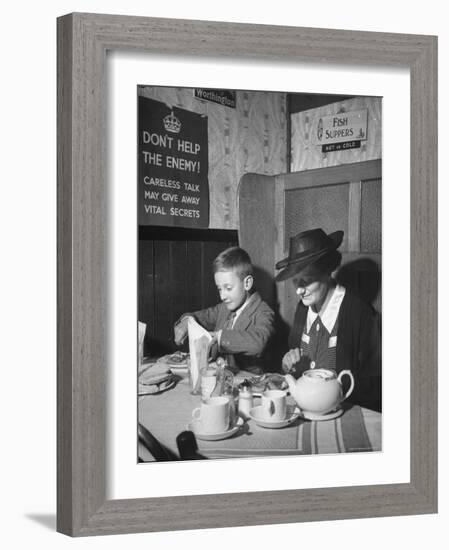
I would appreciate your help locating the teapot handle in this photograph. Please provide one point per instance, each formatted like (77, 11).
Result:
(349, 373)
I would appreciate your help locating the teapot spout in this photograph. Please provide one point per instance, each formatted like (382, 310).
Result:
(291, 384)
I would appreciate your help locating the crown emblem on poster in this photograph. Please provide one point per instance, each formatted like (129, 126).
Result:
(172, 123)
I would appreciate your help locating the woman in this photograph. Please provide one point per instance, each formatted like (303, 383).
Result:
(332, 328)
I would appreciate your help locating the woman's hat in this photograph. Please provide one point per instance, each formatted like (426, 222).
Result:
(306, 248)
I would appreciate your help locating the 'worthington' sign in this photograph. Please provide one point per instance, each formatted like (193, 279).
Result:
(223, 97)
(340, 127)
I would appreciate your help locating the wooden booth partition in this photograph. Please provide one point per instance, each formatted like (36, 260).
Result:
(258, 230)
(175, 276)
(347, 197)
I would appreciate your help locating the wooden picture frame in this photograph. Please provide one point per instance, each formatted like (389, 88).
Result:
(83, 40)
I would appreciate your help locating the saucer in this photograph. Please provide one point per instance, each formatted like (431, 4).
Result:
(195, 427)
(256, 414)
(153, 389)
(320, 417)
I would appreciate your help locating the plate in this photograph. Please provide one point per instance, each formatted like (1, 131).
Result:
(259, 383)
(195, 427)
(321, 417)
(154, 389)
(256, 414)
(175, 360)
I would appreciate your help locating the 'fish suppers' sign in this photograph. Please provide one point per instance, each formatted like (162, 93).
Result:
(341, 127)
(173, 182)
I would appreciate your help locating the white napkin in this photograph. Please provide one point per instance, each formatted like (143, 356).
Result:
(199, 341)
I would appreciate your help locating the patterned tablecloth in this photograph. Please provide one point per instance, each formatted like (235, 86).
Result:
(168, 413)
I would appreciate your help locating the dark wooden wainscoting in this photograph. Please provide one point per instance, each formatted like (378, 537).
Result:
(175, 276)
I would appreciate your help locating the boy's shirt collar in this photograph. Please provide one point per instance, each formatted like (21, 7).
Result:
(238, 311)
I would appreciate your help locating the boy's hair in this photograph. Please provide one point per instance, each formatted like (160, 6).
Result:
(234, 259)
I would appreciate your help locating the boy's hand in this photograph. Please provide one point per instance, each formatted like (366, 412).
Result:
(290, 359)
(213, 347)
(180, 331)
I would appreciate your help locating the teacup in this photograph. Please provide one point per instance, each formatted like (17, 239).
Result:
(213, 415)
(274, 405)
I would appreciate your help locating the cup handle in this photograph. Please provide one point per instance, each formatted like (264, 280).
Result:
(232, 414)
(348, 373)
(196, 413)
(269, 406)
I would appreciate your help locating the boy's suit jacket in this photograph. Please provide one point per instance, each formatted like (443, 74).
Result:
(244, 344)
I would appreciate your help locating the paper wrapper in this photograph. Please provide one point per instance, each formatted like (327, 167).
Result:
(199, 343)
(142, 331)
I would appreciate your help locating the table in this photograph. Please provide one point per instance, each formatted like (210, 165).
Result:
(167, 414)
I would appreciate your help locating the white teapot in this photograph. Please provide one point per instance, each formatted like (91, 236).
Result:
(319, 391)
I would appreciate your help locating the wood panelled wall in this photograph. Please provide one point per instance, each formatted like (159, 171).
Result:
(307, 156)
(250, 138)
(346, 197)
(175, 277)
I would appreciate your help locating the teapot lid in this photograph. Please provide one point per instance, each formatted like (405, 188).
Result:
(321, 374)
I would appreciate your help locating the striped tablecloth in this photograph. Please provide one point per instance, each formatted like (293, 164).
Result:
(167, 414)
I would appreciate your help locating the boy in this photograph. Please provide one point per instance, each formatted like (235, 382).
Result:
(242, 323)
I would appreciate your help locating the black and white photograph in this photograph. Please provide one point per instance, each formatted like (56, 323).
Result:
(259, 273)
